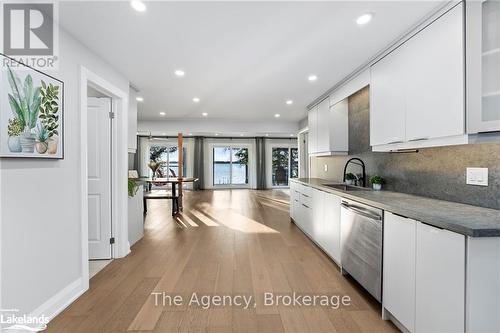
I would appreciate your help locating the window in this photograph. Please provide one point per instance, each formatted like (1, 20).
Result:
(169, 160)
(230, 166)
(285, 164)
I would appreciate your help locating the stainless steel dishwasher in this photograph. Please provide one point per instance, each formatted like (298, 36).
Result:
(361, 242)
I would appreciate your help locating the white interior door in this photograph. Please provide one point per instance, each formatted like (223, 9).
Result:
(99, 177)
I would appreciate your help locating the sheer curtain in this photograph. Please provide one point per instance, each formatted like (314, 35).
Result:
(260, 163)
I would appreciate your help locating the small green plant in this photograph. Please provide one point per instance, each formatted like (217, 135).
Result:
(377, 180)
(42, 134)
(350, 176)
(49, 108)
(14, 128)
(24, 100)
(132, 187)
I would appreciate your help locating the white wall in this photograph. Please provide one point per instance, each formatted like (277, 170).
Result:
(40, 200)
(132, 121)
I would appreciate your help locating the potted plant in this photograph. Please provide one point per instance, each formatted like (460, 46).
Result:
(132, 187)
(14, 129)
(41, 140)
(24, 101)
(377, 182)
(350, 178)
(48, 114)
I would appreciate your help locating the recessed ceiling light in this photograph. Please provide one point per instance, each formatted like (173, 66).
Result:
(292, 134)
(204, 114)
(179, 72)
(267, 134)
(216, 134)
(289, 102)
(196, 99)
(190, 134)
(277, 115)
(138, 5)
(162, 113)
(312, 77)
(242, 134)
(139, 99)
(163, 133)
(364, 19)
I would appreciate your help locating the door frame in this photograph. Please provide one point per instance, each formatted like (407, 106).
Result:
(119, 166)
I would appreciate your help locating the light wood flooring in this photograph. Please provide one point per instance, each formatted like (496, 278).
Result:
(227, 242)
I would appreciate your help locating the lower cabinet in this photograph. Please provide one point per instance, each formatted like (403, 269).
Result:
(317, 213)
(440, 277)
(329, 238)
(424, 276)
(399, 268)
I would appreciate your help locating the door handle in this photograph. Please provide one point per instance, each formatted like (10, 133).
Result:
(395, 140)
(419, 138)
(305, 206)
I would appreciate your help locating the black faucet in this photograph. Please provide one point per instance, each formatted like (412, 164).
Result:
(359, 162)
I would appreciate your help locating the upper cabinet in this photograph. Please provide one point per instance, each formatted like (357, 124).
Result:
(417, 90)
(483, 66)
(328, 128)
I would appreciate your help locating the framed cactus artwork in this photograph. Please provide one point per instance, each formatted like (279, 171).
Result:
(31, 113)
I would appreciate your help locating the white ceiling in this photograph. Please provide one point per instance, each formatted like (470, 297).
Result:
(242, 59)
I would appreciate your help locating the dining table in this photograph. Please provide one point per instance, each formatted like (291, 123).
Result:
(174, 181)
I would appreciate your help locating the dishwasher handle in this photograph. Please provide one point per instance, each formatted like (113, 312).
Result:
(361, 212)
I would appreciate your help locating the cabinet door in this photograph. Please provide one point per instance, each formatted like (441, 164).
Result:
(339, 130)
(399, 268)
(387, 99)
(440, 280)
(312, 121)
(330, 239)
(318, 208)
(435, 83)
(323, 127)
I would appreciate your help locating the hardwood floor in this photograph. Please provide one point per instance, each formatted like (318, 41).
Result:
(226, 243)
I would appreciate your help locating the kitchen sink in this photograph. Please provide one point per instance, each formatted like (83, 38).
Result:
(345, 187)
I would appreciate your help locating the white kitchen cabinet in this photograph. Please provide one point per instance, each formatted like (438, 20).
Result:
(329, 128)
(318, 210)
(387, 99)
(483, 66)
(417, 90)
(435, 79)
(323, 127)
(440, 280)
(312, 122)
(329, 239)
(399, 269)
(294, 201)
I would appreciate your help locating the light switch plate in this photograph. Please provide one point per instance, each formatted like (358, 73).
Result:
(477, 176)
(326, 167)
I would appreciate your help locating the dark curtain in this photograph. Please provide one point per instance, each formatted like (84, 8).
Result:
(198, 170)
(260, 159)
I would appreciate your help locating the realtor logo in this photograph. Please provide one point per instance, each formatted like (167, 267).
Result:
(30, 33)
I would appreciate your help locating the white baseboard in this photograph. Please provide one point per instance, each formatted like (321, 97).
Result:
(60, 301)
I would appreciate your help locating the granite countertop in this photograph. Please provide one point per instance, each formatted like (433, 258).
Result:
(464, 219)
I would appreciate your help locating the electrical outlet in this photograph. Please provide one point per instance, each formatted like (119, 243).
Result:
(477, 176)
(326, 167)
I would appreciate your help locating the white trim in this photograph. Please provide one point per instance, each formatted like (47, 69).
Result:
(434, 142)
(120, 167)
(57, 303)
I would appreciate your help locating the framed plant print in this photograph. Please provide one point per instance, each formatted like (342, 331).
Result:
(31, 112)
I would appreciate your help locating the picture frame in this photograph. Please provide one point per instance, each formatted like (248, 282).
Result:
(31, 112)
